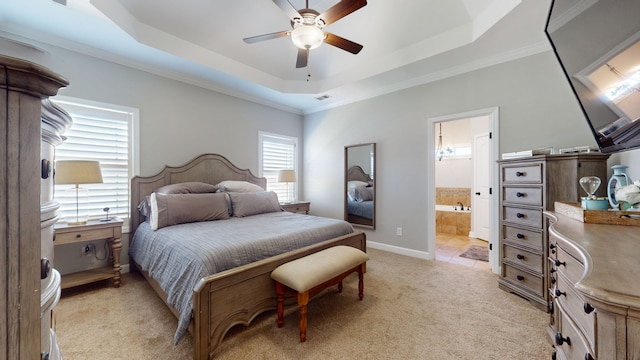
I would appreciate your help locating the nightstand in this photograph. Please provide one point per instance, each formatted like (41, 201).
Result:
(111, 231)
(297, 207)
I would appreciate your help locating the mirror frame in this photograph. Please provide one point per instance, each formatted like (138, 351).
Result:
(352, 221)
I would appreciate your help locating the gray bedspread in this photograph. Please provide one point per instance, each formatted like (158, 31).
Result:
(360, 208)
(178, 256)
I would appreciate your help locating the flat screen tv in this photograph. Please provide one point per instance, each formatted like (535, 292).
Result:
(597, 43)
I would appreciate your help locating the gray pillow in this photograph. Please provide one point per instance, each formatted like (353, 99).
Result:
(173, 209)
(193, 187)
(254, 203)
(364, 194)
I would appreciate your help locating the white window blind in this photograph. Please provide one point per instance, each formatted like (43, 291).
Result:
(103, 134)
(278, 152)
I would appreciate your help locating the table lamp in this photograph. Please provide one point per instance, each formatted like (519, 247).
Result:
(78, 172)
(287, 176)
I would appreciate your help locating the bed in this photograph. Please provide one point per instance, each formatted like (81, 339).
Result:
(230, 297)
(360, 197)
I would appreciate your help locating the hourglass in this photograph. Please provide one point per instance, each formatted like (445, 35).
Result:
(590, 184)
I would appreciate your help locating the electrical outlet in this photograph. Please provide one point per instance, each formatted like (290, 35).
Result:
(399, 231)
(88, 250)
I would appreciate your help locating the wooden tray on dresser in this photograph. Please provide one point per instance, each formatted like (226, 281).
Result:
(612, 217)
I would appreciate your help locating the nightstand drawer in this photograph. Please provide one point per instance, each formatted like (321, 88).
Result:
(82, 235)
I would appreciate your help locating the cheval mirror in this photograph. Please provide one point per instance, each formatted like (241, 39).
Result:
(359, 185)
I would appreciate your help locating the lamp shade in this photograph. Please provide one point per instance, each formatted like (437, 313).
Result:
(286, 176)
(78, 172)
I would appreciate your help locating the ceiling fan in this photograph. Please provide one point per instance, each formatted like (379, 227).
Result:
(307, 24)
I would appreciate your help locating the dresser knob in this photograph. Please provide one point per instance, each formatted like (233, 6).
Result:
(551, 308)
(552, 270)
(519, 194)
(519, 215)
(558, 263)
(520, 257)
(588, 308)
(552, 246)
(560, 340)
(520, 236)
(45, 268)
(520, 277)
(553, 280)
(588, 356)
(44, 356)
(78, 236)
(553, 355)
(519, 173)
(560, 293)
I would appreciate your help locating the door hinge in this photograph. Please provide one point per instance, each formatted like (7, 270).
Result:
(490, 191)
(490, 135)
(490, 246)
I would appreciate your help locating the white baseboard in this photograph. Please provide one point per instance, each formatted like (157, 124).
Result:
(399, 250)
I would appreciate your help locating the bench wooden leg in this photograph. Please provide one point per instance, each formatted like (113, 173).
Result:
(280, 296)
(361, 281)
(303, 300)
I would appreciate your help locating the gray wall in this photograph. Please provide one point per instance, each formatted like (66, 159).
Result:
(177, 121)
(537, 109)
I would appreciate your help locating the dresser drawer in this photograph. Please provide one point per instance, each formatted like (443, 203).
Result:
(568, 266)
(522, 174)
(574, 349)
(574, 304)
(528, 238)
(522, 279)
(529, 217)
(86, 235)
(528, 259)
(522, 195)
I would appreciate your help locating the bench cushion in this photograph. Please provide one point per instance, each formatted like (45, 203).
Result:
(305, 273)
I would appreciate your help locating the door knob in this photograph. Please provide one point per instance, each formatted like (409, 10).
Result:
(478, 193)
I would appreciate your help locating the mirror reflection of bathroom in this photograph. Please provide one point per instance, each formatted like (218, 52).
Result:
(462, 183)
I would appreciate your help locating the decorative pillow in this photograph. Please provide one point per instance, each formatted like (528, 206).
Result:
(144, 208)
(172, 209)
(238, 186)
(363, 194)
(254, 203)
(355, 183)
(193, 187)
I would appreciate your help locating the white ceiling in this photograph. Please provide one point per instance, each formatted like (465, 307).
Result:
(406, 42)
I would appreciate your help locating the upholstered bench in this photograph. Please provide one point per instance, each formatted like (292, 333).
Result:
(313, 273)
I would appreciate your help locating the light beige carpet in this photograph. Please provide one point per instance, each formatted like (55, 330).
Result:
(412, 309)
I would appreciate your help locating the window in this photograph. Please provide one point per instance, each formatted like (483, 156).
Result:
(105, 133)
(278, 152)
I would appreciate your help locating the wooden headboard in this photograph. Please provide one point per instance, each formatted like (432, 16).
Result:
(357, 173)
(207, 168)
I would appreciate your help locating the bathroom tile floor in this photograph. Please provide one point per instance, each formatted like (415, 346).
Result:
(449, 247)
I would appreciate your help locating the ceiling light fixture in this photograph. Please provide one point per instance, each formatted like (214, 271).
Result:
(626, 86)
(440, 152)
(307, 37)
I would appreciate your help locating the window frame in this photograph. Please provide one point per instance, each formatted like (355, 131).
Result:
(133, 139)
(262, 136)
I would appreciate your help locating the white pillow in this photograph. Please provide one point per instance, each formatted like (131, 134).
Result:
(238, 186)
(355, 183)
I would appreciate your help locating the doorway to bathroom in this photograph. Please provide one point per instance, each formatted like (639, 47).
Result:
(463, 161)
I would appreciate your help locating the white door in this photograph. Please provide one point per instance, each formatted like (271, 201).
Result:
(481, 199)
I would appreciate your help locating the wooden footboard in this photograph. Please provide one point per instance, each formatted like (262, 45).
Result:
(237, 296)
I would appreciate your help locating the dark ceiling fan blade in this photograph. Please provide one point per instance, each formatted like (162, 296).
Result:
(258, 38)
(342, 43)
(340, 10)
(288, 9)
(303, 58)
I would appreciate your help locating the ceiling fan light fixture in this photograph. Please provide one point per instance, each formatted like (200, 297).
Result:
(307, 36)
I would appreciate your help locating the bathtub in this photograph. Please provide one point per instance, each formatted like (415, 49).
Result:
(452, 208)
(452, 221)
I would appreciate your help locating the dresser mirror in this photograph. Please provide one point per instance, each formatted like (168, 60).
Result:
(359, 185)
